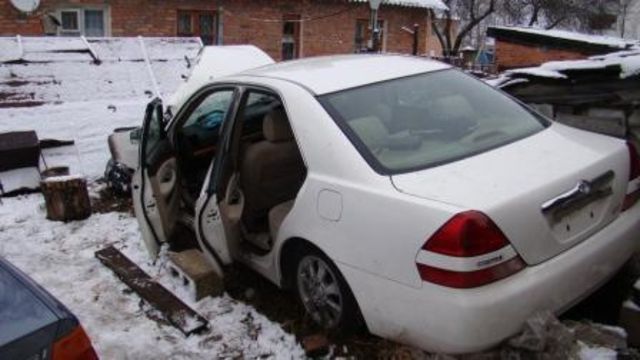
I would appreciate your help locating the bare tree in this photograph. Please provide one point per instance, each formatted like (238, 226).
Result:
(547, 14)
(454, 25)
(584, 15)
(625, 11)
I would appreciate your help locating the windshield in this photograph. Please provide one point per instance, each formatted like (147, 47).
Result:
(426, 120)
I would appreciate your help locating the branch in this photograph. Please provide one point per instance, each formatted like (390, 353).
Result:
(556, 23)
(534, 15)
(435, 29)
(447, 31)
(474, 21)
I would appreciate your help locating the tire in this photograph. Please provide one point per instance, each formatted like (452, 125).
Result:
(324, 293)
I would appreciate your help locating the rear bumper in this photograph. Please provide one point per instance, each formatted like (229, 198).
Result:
(448, 320)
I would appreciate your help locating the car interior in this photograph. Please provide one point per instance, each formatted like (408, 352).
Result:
(404, 129)
(264, 175)
(197, 140)
(260, 175)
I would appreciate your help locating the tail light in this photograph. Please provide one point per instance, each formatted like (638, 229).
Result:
(633, 187)
(468, 251)
(74, 346)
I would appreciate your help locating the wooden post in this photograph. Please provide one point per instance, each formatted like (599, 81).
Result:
(416, 33)
(66, 198)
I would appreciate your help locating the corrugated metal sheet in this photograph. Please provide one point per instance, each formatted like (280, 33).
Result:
(427, 4)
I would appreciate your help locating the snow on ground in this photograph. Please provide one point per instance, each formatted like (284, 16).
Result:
(88, 123)
(60, 257)
(596, 353)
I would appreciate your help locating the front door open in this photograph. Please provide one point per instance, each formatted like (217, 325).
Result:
(156, 182)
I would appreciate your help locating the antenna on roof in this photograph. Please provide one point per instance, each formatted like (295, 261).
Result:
(25, 6)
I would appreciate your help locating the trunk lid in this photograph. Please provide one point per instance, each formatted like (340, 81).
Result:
(547, 193)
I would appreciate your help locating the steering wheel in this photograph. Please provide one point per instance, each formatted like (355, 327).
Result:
(210, 120)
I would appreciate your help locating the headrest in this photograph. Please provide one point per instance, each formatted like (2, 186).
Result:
(276, 126)
(454, 106)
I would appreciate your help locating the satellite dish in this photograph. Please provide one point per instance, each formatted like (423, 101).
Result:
(25, 6)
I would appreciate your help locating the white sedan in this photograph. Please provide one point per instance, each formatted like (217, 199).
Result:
(392, 192)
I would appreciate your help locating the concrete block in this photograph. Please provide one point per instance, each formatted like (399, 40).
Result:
(316, 345)
(195, 273)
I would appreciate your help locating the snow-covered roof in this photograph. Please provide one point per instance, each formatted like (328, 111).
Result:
(570, 36)
(628, 63)
(427, 4)
(621, 64)
(58, 69)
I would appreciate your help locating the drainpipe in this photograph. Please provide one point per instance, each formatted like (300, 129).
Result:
(416, 33)
(374, 5)
(219, 23)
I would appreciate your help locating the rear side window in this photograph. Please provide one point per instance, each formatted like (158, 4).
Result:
(427, 120)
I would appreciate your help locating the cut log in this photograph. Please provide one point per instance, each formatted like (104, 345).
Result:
(66, 197)
(173, 309)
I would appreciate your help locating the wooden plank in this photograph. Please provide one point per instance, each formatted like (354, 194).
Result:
(92, 52)
(173, 309)
(147, 62)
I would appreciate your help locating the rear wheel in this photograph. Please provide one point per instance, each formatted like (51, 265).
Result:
(324, 293)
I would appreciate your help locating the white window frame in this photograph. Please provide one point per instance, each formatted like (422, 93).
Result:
(106, 13)
(78, 21)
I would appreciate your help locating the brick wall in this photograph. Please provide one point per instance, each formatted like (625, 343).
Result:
(330, 28)
(511, 55)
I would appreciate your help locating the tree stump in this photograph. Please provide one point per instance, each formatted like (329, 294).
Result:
(66, 197)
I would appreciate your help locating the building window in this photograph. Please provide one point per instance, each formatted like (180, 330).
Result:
(94, 23)
(206, 22)
(185, 24)
(291, 37)
(363, 40)
(70, 21)
(86, 22)
(197, 23)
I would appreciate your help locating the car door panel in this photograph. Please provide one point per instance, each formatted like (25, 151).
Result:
(210, 226)
(156, 182)
(210, 232)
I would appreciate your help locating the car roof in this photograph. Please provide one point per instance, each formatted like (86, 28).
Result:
(25, 307)
(327, 74)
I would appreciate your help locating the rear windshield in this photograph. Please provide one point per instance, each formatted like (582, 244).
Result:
(427, 120)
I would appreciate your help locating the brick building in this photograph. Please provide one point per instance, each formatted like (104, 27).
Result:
(283, 28)
(517, 47)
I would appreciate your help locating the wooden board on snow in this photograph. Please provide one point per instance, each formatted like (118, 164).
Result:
(173, 309)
